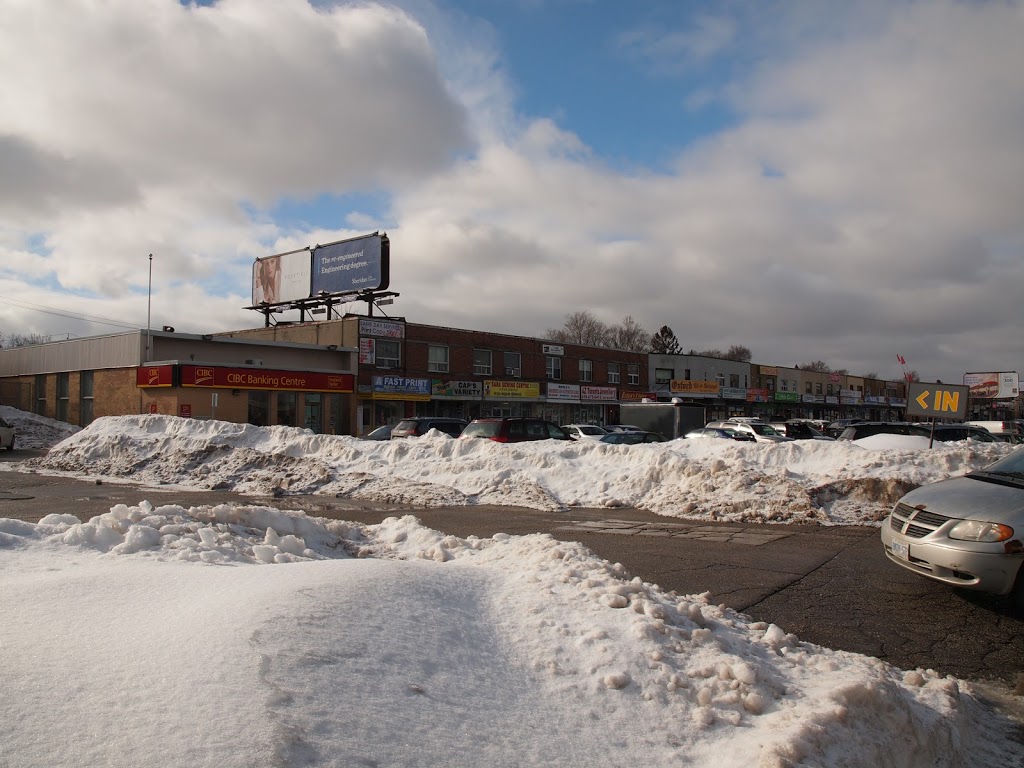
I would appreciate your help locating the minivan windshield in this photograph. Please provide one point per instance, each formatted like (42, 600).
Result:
(1008, 465)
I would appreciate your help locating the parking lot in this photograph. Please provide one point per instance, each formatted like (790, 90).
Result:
(829, 585)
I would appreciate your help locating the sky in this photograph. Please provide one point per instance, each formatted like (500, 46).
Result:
(239, 635)
(814, 181)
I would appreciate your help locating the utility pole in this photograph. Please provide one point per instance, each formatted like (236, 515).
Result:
(149, 306)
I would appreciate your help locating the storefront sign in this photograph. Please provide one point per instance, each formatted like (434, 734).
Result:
(509, 390)
(787, 397)
(563, 391)
(694, 388)
(598, 393)
(849, 397)
(185, 410)
(628, 396)
(769, 370)
(552, 349)
(400, 388)
(874, 400)
(818, 399)
(466, 390)
(831, 400)
(367, 352)
(260, 378)
(154, 376)
(734, 393)
(758, 395)
(899, 402)
(382, 328)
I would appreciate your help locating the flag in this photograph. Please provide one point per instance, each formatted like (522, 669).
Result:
(903, 360)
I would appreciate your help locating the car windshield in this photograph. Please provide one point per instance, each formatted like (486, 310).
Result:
(1012, 465)
(589, 430)
(481, 429)
(765, 430)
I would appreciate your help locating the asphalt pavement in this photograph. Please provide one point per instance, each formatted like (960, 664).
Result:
(829, 585)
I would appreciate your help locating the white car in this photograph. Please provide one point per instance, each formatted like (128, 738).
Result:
(6, 435)
(763, 433)
(585, 431)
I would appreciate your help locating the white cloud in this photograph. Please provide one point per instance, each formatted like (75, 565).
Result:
(865, 202)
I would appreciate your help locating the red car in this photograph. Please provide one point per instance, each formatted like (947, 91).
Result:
(514, 429)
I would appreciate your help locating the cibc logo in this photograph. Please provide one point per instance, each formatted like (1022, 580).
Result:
(154, 376)
(204, 375)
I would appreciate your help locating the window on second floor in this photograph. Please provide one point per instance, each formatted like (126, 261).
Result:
(388, 354)
(482, 362)
(734, 380)
(633, 372)
(613, 373)
(586, 370)
(663, 375)
(437, 359)
(513, 364)
(817, 388)
(554, 368)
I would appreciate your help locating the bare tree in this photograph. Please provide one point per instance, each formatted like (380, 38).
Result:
(818, 366)
(580, 328)
(739, 353)
(19, 340)
(664, 342)
(628, 335)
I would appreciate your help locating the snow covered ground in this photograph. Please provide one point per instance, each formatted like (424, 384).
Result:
(254, 636)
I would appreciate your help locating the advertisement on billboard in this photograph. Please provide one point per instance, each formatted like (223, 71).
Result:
(351, 266)
(992, 386)
(281, 278)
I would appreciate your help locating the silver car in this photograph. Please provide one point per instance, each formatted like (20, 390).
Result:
(965, 531)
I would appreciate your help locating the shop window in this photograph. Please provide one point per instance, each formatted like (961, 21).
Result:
(482, 362)
(41, 394)
(553, 368)
(586, 370)
(633, 372)
(513, 364)
(286, 409)
(613, 373)
(388, 354)
(86, 396)
(259, 409)
(62, 397)
(314, 412)
(437, 359)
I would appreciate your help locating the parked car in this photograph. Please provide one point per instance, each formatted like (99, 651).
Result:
(763, 433)
(585, 431)
(1009, 431)
(514, 429)
(719, 433)
(965, 531)
(864, 429)
(420, 425)
(622, 428)
(633, 437)
(949, 433)
(799, 430)
(6, 435)
(380, 433)
(835, 428)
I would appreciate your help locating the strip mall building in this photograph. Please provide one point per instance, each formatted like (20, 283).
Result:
(351, 374)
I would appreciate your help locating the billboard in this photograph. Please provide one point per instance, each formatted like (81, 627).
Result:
(351, 266)
(992, 386)
(282, 278)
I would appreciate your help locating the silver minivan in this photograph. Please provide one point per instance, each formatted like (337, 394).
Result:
(966, 531)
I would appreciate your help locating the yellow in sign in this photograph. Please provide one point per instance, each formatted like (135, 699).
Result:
(943, 401)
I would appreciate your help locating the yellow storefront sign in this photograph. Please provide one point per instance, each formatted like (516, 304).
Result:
(511, 389)
(687, 387)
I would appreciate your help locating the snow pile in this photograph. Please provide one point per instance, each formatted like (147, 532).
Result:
(34, 431)
(826, 482)
(159, 632)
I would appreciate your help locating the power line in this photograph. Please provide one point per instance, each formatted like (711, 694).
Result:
(65, 313)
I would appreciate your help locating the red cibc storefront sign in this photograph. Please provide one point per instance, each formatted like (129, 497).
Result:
(263, 378)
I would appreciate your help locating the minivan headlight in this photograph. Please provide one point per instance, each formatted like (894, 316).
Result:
(975, 530)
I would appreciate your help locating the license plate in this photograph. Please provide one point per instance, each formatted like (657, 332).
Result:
(900, 550)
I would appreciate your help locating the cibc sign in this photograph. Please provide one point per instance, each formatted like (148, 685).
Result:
(939, 401)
